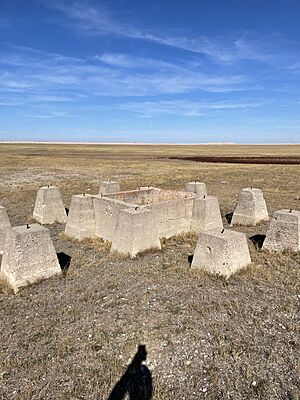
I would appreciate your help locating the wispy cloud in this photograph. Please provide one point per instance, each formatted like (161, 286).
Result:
(49, 77)
(183, 108)
(50, 114)
(128, 61)
(44, 98)
(10, 103)
(222, 49)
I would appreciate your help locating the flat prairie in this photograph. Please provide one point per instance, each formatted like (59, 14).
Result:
(72, 337)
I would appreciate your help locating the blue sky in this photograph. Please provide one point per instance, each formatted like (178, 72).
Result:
(150, 71)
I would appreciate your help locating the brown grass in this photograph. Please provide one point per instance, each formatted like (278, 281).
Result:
(71, 337)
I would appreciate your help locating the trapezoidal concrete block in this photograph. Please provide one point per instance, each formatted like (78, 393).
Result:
(49, 207)
(206, 214)
(81, 219)
(199, 188)
(251, 208)
(284, 231)
(135, 232)
(109, 187)
(4, 227)
(29, 256)
(221, 252)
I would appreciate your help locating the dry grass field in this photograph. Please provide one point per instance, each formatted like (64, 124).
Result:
(72, 337)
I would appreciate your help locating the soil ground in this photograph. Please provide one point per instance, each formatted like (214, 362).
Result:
(72, 337)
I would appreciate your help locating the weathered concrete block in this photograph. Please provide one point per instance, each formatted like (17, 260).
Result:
(81, 219)
(284, 231)
(49, 207)
(221, 252)
(251, 208)
(135, 232)
(4, 227)
(206, 214)
(173, 217)
(107, 212)
(109, 187)
(199, 188)
(29, 256)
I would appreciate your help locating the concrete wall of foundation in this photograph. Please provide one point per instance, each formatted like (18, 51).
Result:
(173, 212)
(139, 196)
(173, 217)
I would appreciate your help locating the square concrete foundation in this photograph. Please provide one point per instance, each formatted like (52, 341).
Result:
(109, 187)
(251, 208)
(4, 227)
(81, 219)
(221, 252)
(206, 214)
(284, 231)
(29, 256)
(198, 188)
(135, 232)
(49, 207)
(172, 210)
(171, 213)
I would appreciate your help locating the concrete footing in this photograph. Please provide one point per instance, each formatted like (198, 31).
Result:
(49, 207)
(221, 252)
(29, 256)
(206, 214)
(4, 227)
(251, 208)
(109, 187)
(284, 231)
(81, 219)
(135, 232)
(199, 188)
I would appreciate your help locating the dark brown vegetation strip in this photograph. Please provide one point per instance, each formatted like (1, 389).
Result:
(289, 160)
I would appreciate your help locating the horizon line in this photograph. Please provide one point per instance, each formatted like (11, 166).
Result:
(149, 143)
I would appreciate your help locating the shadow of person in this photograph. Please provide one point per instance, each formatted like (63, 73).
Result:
(136, 382)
